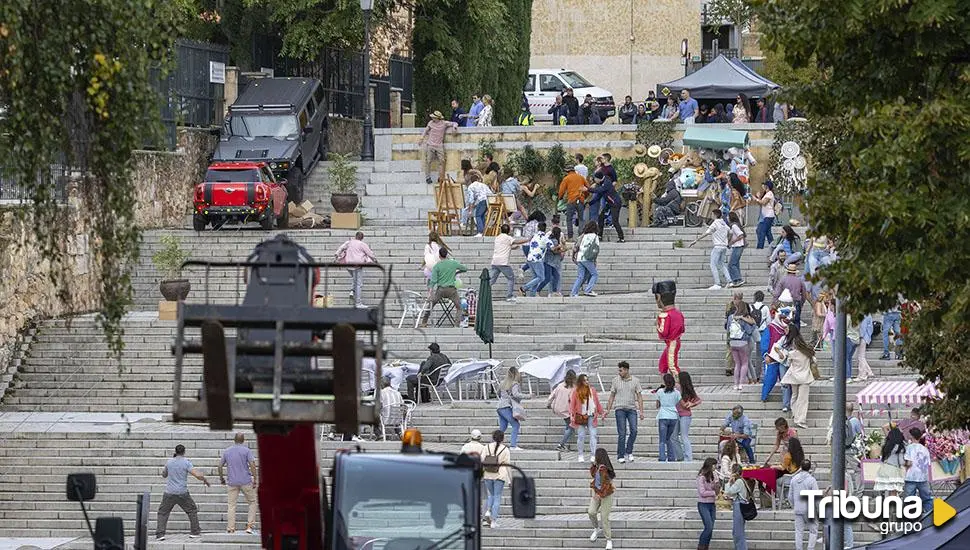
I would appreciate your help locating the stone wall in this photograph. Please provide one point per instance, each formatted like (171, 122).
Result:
(624, 46)
(26, 291)
(618, 140)
(164, 181)
(344, 135)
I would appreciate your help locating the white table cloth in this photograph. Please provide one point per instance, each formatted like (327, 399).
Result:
(397, 373)
(552, 367)
(468, 368)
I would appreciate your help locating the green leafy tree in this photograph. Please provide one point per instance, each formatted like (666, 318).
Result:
(890, 140)
(74, 76)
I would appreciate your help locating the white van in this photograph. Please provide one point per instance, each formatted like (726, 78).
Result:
(543, 85)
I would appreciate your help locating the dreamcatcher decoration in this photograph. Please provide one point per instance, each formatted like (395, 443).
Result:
(791, 175)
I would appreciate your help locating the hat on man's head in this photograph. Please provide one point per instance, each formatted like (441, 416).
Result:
(434, 347)
(792, 268)
(437, 115)
(476, 434)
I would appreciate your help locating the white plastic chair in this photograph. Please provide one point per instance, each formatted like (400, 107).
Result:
(392, 415)
(442, 372)
(415, 304)
(521, 360)
(591, 367)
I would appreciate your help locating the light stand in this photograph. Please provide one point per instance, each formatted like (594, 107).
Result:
(367, 147)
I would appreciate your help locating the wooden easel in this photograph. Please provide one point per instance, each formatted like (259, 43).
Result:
(495, 215)
(449, 200)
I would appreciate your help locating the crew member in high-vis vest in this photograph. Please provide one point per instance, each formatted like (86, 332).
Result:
(670, 326)
(525, 117)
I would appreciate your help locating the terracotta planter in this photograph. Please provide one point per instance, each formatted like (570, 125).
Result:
(344, 203)
(175, 290)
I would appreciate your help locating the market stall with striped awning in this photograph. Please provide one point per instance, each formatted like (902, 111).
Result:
(896, 392)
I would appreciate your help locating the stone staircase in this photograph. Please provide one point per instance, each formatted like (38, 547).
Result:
(391, 192)
(72, 407)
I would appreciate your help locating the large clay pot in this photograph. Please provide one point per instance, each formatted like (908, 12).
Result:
(344, 203)
(175, 290)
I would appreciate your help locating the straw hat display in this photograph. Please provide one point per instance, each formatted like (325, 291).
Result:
(654, 151)
(640, 170)
(639, 150)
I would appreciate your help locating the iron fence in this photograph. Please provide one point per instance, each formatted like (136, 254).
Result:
(402, 78)
(382, 102)
(58, 176)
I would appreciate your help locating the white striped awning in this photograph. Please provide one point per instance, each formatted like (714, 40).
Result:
(897, 392)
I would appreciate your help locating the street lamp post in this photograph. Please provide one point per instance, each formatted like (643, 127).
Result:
(367, 147)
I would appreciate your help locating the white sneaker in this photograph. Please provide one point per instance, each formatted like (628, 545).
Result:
(512, 299)
(160, 538)
(592, 460)
(493, 524)
(591, 293)
(194, 536)
(714, 287)
(478, 235)
(594, 535)
(622, 460)
(517, 448)
(250, 531)
(629, 458)
(581, 459)
(609, 545)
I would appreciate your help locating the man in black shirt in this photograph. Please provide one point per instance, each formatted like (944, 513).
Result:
(428, 371)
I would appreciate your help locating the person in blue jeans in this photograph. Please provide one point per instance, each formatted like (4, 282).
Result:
(892, 319)
(509, 401)
(741, 430)
(588, 251)
(626, 395)
(737, 489)
(495, 481)
(539, 246)
(706, 495)
(917, 478)
(667, 417)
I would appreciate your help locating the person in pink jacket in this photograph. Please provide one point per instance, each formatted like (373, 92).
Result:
(559, 403)
(584, 413)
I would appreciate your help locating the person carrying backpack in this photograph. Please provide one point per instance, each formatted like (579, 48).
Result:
(496, 475)
(740, 326)
(585, 256)
(601, 500)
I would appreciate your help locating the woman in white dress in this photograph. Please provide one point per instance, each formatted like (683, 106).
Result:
(431, 256)
(889, 476)
(485, 117)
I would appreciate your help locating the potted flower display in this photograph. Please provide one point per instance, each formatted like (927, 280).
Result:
(948, 448)
(168, 260)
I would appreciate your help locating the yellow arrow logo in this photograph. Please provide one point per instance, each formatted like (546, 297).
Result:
(942, 512)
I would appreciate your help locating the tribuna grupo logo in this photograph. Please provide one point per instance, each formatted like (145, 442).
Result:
(894, 514)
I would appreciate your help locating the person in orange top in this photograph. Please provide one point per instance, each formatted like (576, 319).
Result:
(573, 190)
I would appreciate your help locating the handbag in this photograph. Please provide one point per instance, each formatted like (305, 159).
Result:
(518, 411)
(580, 419)
(748, 510)
(813, 365)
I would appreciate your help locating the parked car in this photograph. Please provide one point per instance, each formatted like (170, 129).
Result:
(278, 121)
(240, 192)
(543, 85)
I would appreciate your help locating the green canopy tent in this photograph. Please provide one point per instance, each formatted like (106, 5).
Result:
(714, 138)
(484, 319)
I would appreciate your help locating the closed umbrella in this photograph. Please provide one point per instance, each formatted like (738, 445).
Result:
(484, 320)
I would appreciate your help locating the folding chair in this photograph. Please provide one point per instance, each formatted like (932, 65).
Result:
(392, 415)
(413, 303)
(591, 366)
(521, 360)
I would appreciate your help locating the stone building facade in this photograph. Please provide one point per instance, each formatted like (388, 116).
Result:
(624, 46)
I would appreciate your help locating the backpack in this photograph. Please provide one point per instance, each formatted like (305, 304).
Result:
(778, 208)
(755, 314)
(735, 332)
(490, 463)
(592, 251)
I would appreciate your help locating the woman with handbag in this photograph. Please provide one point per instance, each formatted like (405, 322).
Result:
(496, 475)
(601, 501)
(585, 411)
(509, 407)
(559, 403)
(801, 372)
(707, 489)
(738, 490)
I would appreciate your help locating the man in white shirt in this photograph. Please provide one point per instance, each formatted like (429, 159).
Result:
(500, 259)
(391, 407)
(581, 168)
(719, 231)
(474, 445)
(917, 478)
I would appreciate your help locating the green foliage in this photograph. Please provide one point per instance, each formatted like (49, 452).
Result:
(624, 170)
(485, 147)
(527, 162)
(169, 258)
(342, 174)
(75, 78)
(655, 133)
(890, 143)
(777, 69)
(557, 160)
(465, 48)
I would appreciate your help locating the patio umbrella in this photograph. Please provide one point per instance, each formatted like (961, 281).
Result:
(484, 320)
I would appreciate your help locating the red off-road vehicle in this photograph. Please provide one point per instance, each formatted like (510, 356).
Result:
(240, 192)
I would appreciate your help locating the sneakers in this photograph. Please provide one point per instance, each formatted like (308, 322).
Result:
(885, 356)
(478, 235)
(594, 535)
(560, 447)
(493, 524)
(195, 536)
(487, 518)
(160, 538)
(360, 306)
(592, 460)
(629, 458)
(517, 448)
(428, 180)
(621, 460)
(609, 545)
(581, 458)
(621, 241)
(511, 299)
(785, 409)
(591, 293)
(250, 530)
(714, 287)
